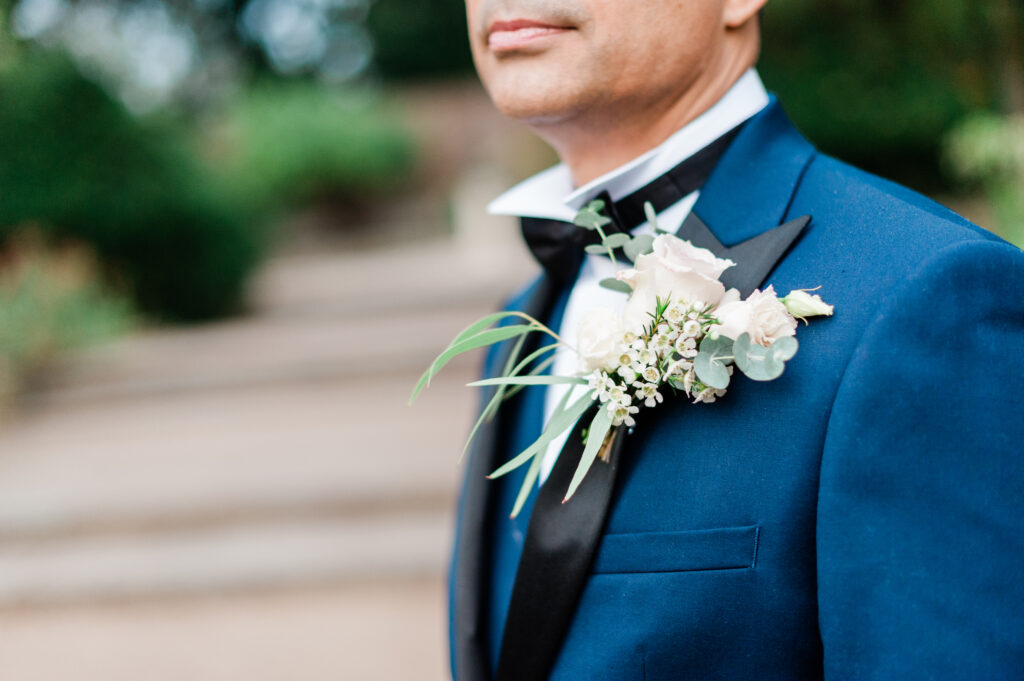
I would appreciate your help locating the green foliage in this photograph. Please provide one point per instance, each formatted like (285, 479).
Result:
(75, 162)
(713, 360)
(989, 149)
(51, 301)
(417, 39)
(878, 82)
(282, 143)
(763, 363)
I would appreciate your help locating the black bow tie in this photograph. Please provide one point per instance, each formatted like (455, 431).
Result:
(558, 246)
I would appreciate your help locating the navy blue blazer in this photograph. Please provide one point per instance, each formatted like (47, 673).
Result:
(862, 517)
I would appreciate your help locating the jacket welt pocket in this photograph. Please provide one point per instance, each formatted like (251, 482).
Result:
(728, 548)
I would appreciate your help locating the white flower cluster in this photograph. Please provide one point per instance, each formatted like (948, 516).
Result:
(677, 300)
(642, 363)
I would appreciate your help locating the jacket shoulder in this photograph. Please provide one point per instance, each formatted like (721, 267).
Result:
(858, 198)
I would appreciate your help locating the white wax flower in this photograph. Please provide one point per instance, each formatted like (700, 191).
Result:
(676, 269)
(762, 315)
(599, 337)
(802, 304)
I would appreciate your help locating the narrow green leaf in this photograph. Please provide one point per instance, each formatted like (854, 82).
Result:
(481, 339)
(529, 380)
(599, 428)
(531, 475)
(558, 424)
(495, 400)
(539, 369)
(596, 249)
(617, 240)
(652, 218)
(615, 285)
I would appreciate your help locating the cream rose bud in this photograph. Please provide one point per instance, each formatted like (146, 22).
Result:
(802, 304)
(675, 269)
(599, 335)
(762, 315)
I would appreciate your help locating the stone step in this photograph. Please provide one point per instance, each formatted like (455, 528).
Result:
(219, 559)
(183, 460)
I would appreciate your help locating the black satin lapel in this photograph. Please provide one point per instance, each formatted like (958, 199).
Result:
(471, 656)
(559, 549)
(755, 258)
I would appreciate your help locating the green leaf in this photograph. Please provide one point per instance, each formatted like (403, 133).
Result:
(785, 349)
(529, 380)
(711, 363)
(558, 424)
(480, 340)
(596, 249)
(531, 475)
(590, 216)
(511, 392)
(756, 361)
(652, 218)
(639, 245)
(616, 240)
(492, 405)
(614, 284)
(599, 428)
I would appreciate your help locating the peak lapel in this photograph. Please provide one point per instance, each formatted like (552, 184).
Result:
(471, 541)
(747, 195)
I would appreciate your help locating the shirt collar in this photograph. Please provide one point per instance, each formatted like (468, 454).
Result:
(551, 194)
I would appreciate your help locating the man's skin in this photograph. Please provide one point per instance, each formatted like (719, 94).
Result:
(603, 81)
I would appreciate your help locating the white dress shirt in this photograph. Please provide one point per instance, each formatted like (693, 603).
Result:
(551, 194)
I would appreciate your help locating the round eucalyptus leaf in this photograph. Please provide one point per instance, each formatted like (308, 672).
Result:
(639, 245)
(785, 349)
(718, 346)
(615, 285)
(712, 372)
(596, 249)
(755, 361)
(616, 240)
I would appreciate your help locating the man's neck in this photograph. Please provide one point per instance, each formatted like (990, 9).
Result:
(625, 135)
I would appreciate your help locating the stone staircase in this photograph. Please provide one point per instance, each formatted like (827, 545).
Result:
(272, 450)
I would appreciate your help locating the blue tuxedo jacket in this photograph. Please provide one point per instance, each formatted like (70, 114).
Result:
(860, 518)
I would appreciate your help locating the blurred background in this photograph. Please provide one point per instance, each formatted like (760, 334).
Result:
(232, 232)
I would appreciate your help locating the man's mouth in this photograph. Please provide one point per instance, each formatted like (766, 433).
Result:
(508, 36)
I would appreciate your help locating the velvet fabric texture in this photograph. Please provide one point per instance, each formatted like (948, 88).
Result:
(860, 517)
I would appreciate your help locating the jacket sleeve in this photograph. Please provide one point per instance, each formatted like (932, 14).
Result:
(921, 498)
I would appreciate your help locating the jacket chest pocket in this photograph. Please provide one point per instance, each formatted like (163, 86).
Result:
(729, 548)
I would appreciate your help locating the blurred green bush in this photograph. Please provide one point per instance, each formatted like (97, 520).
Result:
(77, 163)
(417, 39)
(51, 300)
(281, 143)
(989, 149)
(879, 82)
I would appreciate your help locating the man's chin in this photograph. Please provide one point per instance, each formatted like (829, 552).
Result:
(534, 94)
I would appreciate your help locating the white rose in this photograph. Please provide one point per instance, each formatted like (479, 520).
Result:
(599, 335)
(762, 315)
(675, 269)
(802, 304)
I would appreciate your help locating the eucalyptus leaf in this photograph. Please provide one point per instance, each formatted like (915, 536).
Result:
(528, 380)
(614, 284)
(785, 348)
(616, 240)
(539, 369)
(599, 428)
(639, 245)
(595, 249)
(558, 424)
(652, 217)
(756, 361)
(534, 471)
(494, 403)
(590, 216)
(479, 340)
(711, 371)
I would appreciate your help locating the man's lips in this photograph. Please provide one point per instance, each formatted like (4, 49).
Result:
(505, 36)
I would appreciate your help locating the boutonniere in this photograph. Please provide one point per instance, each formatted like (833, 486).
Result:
(680, 331)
